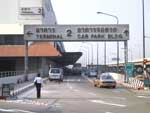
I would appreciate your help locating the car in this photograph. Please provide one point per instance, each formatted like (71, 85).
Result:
(56, 74)
(105, 80)
(92, 73)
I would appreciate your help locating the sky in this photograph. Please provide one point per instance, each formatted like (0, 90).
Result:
(127, 11)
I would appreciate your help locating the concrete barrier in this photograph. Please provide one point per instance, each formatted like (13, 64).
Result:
(133, 83)
(25, 87)
(15, 79)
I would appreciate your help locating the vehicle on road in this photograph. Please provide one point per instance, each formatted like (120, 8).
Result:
(92, 73)
(77, 69)
(140, 77)
(56, 74)
(105, 80)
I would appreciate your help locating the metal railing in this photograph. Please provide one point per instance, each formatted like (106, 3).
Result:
(10, 73)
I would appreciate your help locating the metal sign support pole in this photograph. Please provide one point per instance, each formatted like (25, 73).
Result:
(97, 57)
(118, 57)
(26, 61)
(126, 59)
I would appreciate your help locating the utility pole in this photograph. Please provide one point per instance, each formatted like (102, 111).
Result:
(117, 41)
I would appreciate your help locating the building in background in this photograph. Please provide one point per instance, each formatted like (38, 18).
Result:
(14, 15)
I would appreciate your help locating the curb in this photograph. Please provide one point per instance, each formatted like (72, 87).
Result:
(22, 89)
(131, 86)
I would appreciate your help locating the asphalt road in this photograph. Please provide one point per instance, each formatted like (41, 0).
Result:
(77, 95)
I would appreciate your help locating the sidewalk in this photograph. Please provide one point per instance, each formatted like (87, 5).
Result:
(145, 92)
(19, 88)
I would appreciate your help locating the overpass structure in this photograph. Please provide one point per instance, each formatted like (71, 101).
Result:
(138, 66)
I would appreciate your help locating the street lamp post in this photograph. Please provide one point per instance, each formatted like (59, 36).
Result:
(92, 51)
(143, 14)
(97, 57)
(129, 56)
(117, 41)
(143, 31)
(105, 55)
(85, 56)
(88, 54)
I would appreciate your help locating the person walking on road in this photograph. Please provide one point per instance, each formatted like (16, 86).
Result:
(38, 83)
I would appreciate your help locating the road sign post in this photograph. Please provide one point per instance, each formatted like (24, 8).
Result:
(130, 69)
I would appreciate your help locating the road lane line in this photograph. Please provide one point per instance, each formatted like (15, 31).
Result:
(106, 103)
(91, 93)
(24, 101)
(87, 79)
(68, 85)
(76, 90)
(144, 97)
(121, 98)
(15, 110)
(79, 80)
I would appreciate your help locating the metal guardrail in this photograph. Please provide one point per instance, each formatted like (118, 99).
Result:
(11, 73)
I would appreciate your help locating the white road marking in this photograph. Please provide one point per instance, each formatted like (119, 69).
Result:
(52, 91)
(109, 112)
(70, 87)
(73, 80)
(58, 105)
(122, 98)
(27, 102)
(143, 96)
(103, 102)
(79, 80)
(91, 93)
(76, 90)
(15, 110)
(87, 78)
(68, 84)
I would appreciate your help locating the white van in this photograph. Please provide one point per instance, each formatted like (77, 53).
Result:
(56, 74)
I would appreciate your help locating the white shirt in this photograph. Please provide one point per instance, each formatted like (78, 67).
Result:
(39, 80)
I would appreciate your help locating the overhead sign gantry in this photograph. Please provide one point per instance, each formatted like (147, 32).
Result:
(104, 32)
(76, 32)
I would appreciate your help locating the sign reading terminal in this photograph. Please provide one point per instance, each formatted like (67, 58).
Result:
(76, 32)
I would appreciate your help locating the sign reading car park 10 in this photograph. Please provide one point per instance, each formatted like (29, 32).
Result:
(76, 32)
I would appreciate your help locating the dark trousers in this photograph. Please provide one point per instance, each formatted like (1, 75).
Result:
(38, 89)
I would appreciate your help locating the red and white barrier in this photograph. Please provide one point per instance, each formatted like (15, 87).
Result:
(135, 84)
